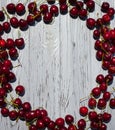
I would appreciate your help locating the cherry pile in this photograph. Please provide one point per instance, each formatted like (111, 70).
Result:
(104, 37)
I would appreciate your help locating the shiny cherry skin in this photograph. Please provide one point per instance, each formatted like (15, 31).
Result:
(83, 111)
(74, 12)
(69, 119)
(13, 115)
(47, 17)
(81, 123)
(92, 103)
(5, 112)
(11, 8)
(20, 9)
(2, 16)
(32, 7)
(14, 22)
(6, 27)
(60, 122)
(101, 103)
(54, 10)
(20, 90)
(112, 103)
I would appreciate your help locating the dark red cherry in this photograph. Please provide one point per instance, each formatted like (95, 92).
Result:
(69, 119)
(105, 64)
(106, 19)
(94, 125)
(81, 123)
(10, 43)
(103, 87)
(106, 96)
(17, 103)
(23, 24)
(20, 9)
(90, 23)
(105, 6)
(63, 8)
(111, 12)
(8, 87)
(96, 92)
(21, 114)
(43, 113)
(83, 14)
(4, 55)
(14, 22)
(96, 34)
(60, 122)
(109, 79)
(6, 27)
(106, 117)
(1, 30)
(2, 16)
(92, 103)
(30, 19)
(37, 15)
(5, 111)
(48, 17)
(79, 5)
(54, 10)
(92, 115)
(19, 43)
(74, 12)
(2, 43)
(32, 7)
(32, 127)
(40, 124)
(13, 115)
(72, 127)
(83, 111)
(11, 77)
(13, 53)
(11, 8)
(2, 92)
(112, 103)
(100, 78)
(102, 126)
(51, 125)
(62, 2)
(111, 70)
(46, 120)
(101, 103)
(20, 90)
(26, 106)
(2, 103)
(90, 5)
(44, 8)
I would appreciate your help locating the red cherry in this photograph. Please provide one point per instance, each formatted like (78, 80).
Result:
(13, 115)
(2, 43)
(32, 127)
(46, 120)
(5, 112)
(106, 117)
(44, 8)
(111, 12)
(26, 106)
(100, 78)
(99, 22)
(5, 70)
(106, 19)
(2, 17)
(11, 8)
(79, 5)
(17, 103)
(109, 79)
(83, 14)
(92, 115)
(38, 113)
(51, 125)
(43, 113)
(92, 103)
(30, 116)
(98, 45)
(105, 6)
(6, 27)
(19, 43)
(60, 122)
(90, 5)
(96, 34)
(69, 119)
(111, 69)
(94, 125)
(14, 22)
(3, 80)
(112, 103)
(48, 17)
(63, 8)
(2, 103)
(23, 24)
(99, 55)
(96, 92)
(90, 23)
(20, 90)
(10, 43)
(112, 61)
(99, 117)
(83, 111)
(112, 34)
(30, 20)
(13, 53)
(32, 7)
(105, 64)
(37, 15)
(11, 77)
(103, 87)
(102, 126)
(54, 10)
(81, 123)
(40, 124)
(8, 87)
(74, 12)
(20, 9)
(21, 114)
(1, 30)
(72, 127)
(2, 92)
(101, 103)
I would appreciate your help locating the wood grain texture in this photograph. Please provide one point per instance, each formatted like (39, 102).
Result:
(58, 66)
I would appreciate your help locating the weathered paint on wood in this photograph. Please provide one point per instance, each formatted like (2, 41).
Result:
(58, 66)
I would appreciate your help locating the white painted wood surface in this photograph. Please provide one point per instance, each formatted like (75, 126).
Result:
(58, 66)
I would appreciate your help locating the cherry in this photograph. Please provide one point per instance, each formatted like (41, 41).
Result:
(96, 92)
(112, 34)
(6, 27)
(3, 80)
(47, 17)
(112, 61)
(100, 78)
(109, 79)
(83, 14)
(4, 55)
(11, 8)
(21, 114)
(2, 17)
(17, 103)
(112, 49)
(40, 124)
(81, 123)
(105, 6)
(13, 115)
(99, 117)
(2, 92)
(23, 24)
(106, 117)
(96, 34)
(111, 12)
(107, 56)
(102, 126)
(2, 43)
(30, 20)
(20, 90)
(90, 5)
(13, 53)
(26, 106)
(112, 103)
(8, 87)
(69, 119)
(8, 63)
(43, 113)
(1, 30)
(83, 111)
(10, 43)
(51, 125)
(11, 77)
(5, 70)
(63, 8)
(105, 64)
(79, 5)
(38, 114)
(20, 9)
(72, 127)
(94, 125)
(32, 127)
(106, 19)
(60, 122)
(101, 103)
(99, 22)
(32, 7)
(44, 8)
(37, 15)
(92, 103)
(19, 43)
(5, 111)
(90, 23)
(30, 116)
(74, 12)
(103, 87)
(14, 22)
(111, 69)
(54, 10)
(46, 120)
(92, 115)
(2, 103)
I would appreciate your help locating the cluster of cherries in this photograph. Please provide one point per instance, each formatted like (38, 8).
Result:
(104, 44)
